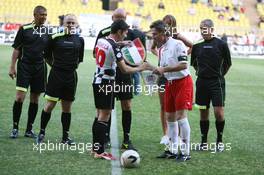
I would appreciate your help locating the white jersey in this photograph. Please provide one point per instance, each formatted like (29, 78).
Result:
(170, 54)
(107, 54)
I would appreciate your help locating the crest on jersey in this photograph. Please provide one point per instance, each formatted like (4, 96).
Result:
(118, 55)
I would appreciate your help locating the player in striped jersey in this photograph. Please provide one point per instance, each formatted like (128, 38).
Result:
(108, 57)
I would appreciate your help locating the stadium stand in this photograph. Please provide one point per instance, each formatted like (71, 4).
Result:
(15, 11)
(260, 9)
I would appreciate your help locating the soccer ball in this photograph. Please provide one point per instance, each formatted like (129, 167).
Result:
(130, 159)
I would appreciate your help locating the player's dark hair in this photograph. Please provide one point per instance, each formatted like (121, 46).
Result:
(119, 25)
(159, 25)
(39, 8)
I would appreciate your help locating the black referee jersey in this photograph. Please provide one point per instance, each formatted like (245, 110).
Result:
(31, 40)
(211, 58)
(65, 51)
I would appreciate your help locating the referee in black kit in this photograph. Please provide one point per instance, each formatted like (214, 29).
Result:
(65, 52)
(124, 80)
(211, 60)
(29, 45)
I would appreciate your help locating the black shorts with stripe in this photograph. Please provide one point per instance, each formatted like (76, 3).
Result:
(124, 81)
(104, 94)
(210, 89)
(33, 75)
(61, 85)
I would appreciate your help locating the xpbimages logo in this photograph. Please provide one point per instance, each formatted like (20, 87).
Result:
(116, 88)
(211, 147)
(171, 31)
(50, 30)
(79, 147)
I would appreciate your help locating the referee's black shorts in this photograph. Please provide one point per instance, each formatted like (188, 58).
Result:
(104, 94)
(61, 85)
(124, 81)
(210, 89)
(33, 75)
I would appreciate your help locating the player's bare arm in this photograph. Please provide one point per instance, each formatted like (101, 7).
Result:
(178, 67)
(128, 69)
(186, 42)
(124, 43)
(12, 69)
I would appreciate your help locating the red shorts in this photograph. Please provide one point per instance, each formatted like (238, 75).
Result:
(178, 94)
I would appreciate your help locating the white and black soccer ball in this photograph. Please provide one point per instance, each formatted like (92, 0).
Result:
(130, 159)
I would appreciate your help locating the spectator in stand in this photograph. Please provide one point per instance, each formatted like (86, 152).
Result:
(221, 16)
(227, 9)
(252, 38)
(141, 3)
(261, 20)
(210, 3)
(261, 43)
(148, 17)
(235, 17)
(191, 11)
(242, 9)
(84, 2)
(235, 40)
(245, 39)
(218, 8)
(161, 5)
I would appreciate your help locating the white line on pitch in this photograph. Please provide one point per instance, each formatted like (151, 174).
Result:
(116, 170)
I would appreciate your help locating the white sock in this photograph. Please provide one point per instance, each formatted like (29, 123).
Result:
(185, 135)
(173, 132)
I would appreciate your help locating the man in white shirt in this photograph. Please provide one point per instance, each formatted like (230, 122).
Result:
(178, 89)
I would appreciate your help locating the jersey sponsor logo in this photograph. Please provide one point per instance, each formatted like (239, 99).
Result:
(68, 42)
(207, 47)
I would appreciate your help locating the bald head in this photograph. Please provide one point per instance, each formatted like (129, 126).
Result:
(70, 23)
(70, 17)
(118, 14)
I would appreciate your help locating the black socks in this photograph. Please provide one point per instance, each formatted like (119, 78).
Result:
(66, 122)
(32, 113)
(219, 128)
(45, 117)
(204, 127)
(126, 123)
(17, 108)
(99, 133)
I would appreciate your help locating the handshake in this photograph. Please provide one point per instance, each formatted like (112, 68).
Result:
(147, 66)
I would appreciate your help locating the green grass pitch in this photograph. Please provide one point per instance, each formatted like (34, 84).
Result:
(244, 115)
